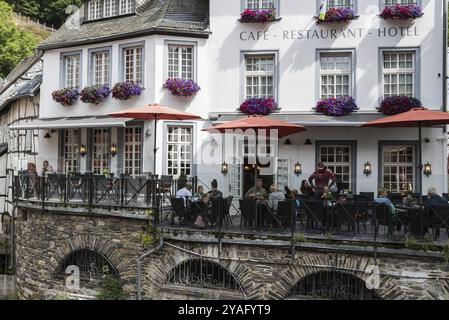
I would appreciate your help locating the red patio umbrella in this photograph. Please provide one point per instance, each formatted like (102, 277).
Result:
(155, 112)
(418, 117)
(259, 123)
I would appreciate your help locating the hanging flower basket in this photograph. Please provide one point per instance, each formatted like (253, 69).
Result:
(95, 94)
(257, 16)
(336, 107)
(126, 90)
(402, 12)
(338, 15)
(66, 97)
(182, 87)
(262, 106)
(398, 104)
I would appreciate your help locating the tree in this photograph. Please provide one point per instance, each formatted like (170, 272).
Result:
(52, 13)
(15, 44)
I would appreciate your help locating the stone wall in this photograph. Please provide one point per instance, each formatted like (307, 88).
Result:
(264, 269)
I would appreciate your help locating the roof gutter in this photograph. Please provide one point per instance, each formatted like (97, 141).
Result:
(153, 31)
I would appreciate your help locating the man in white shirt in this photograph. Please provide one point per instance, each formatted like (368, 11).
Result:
(185, 193)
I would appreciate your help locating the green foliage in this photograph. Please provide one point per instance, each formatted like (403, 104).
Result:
(300, 238)
(15, 44)
(111, 289)
(53, 12)
(411, 243)
(151, 236)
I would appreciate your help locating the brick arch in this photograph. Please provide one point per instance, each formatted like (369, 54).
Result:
(79, 242)
(163, 263)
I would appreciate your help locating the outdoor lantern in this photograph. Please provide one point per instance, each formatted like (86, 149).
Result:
(427, 169)
(47, 135)
(367, 169)
(298, 168)
(308, 142)
(114, 150)
(83, 150)
(224, 168)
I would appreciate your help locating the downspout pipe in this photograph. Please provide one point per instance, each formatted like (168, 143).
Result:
(445, 89)
(139, 266)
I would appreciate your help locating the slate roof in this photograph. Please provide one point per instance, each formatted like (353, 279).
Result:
(19, 70)
(180, 17)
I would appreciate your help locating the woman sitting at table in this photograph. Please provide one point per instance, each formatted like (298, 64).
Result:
(199, 203)
(274, 197)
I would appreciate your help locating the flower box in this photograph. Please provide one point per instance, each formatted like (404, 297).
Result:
(398, 104)
(257, 16)
(182, 87)
(95, 94)
(66, 97)
(402, 12)
(336, 107)
(261, 106)
(338, 15)
(126, 90)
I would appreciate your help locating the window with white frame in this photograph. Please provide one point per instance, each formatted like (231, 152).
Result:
(388, 3)
(283, 174)
(338, 158)
(110, 8)
(398, 167)
(259, 76)
(235, 179)
(94, 9)
(133, 64)
(260, 4)
(133, 150)
(335, 75)
(100, 68)
(340, 4)
(72, 138)
(72, 71)
(180, 62)
(399, 73)
(179, 147)
(126, 6)
(100, 161)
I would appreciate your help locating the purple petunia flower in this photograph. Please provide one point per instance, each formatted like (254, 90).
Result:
(338, 15)
(66, 97)
(126, 90)
(182, 87)
(402, 12)
(398, 104)
(257, 16)
(336, 107)
(261, 106)
(95, 94)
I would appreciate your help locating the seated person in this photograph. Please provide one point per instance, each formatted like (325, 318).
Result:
(199, 195)
(409, 201)
(257, 192)
(185, 193)
(434, 198)
(274, 197)
(306, 189)
(214, 192)
(383, 199)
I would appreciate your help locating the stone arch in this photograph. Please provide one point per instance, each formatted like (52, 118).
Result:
(204, 272)
(160, 265)
(92, 243)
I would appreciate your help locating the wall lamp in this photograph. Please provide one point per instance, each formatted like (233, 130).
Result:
(427, 169)
(113, 150)
(367, 168)
(224, 168)
(83, 150)
(47, 135)
(298, 168)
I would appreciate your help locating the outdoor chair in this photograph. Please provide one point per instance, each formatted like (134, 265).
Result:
(346, 215)
(314, 213)
(219, 208)
(438, 218)
(178, 210)
(395, 197)
(286, 214)
(383, 217)
(369, 196)
(248, 212)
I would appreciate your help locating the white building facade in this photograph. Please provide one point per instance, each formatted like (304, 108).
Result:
(293, 60)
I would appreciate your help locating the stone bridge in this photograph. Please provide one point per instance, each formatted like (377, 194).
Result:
(196, 265)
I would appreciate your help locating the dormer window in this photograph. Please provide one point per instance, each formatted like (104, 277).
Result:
(99, 9)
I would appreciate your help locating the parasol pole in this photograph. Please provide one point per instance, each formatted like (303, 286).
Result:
(420, 166)
(155, 206)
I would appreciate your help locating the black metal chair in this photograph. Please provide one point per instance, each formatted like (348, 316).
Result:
(286, 213)
(368, 195)
(383, 217)
(247, 212)
(438, 218)
(346, 214)
(178, 210)
(218, 212)
(395, 197)
(227, 217)
(315, 214)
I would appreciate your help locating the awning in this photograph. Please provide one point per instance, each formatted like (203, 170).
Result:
(355, 119)
(68, 123)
